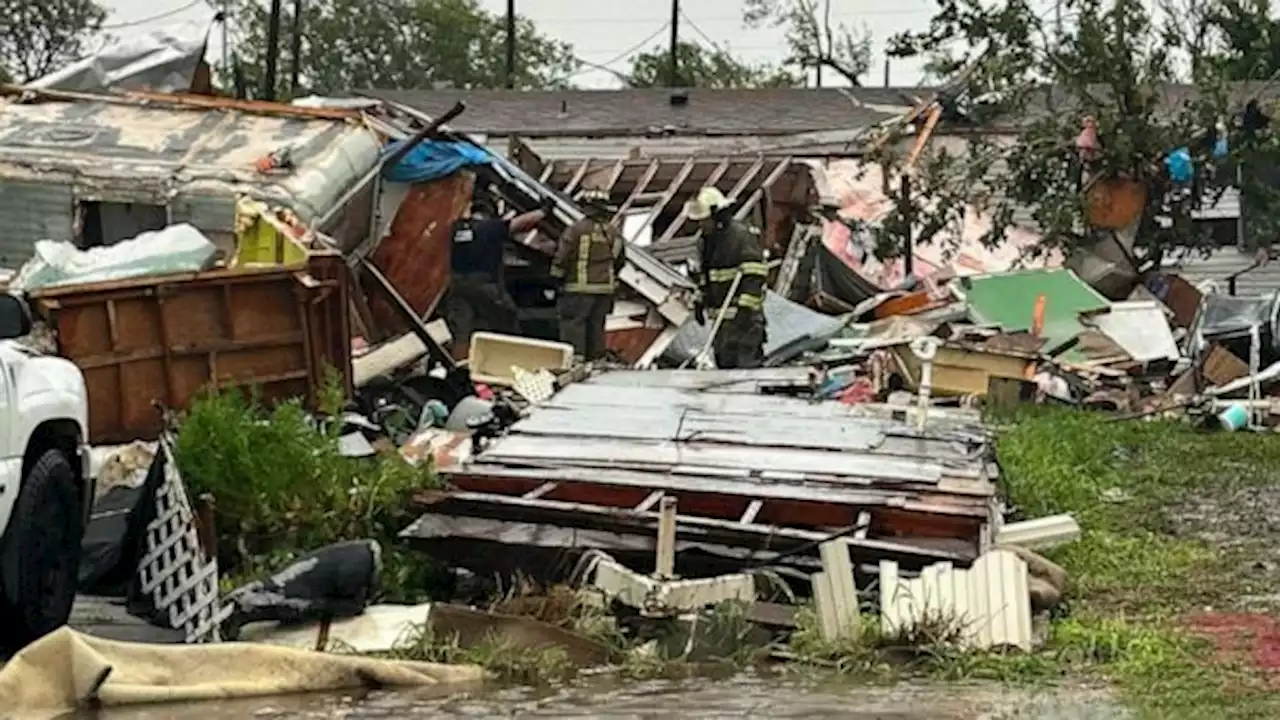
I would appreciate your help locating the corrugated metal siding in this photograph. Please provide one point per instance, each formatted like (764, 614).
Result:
(1224, 262)
(31, 211)
(990, 602)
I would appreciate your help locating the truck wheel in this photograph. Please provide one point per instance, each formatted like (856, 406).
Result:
(40, 557)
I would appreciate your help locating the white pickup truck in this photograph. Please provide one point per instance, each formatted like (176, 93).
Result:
(45, 492)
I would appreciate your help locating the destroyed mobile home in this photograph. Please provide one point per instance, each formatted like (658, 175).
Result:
(174, 244)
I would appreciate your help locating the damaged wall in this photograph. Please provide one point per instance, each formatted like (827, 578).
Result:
(414, 250)
(60, 151)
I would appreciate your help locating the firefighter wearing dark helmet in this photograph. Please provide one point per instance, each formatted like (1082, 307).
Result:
(730, 250)
(588, 258)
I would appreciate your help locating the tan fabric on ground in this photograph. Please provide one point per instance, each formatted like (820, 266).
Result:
(65, 670)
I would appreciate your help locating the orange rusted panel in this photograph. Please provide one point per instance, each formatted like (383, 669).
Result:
(164, 339)
(415, 253)
(631, 344)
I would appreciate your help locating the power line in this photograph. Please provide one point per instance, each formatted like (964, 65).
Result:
(737, 19)
(620, 56)
(153, 18)
(698, 30)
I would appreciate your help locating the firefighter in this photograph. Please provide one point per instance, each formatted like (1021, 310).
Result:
(477, 298)
(730, 249)
(588, 258)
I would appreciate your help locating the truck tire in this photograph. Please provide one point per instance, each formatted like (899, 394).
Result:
(40, 554)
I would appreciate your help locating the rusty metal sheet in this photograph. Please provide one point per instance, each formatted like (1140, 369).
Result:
(166, 338)
(566, 514)
(744, 484)
(415, 253)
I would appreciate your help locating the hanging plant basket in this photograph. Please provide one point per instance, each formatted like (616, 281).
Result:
(1114, 203)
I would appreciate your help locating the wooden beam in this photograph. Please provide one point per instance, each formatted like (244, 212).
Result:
(641, 185)
(753, 509)
(577, 177)
(647, 504)
(670, 193)
(539, 491)
(674, 227)
(864, 525)
(665, 561)
(923, 139)
(759, 192)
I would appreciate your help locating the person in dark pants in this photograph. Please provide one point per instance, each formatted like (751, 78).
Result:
(730, 251)
(588, 258)
(477, 298)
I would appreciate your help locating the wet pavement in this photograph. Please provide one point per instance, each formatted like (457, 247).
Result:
(742, 696)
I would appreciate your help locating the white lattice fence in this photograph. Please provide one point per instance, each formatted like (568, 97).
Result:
(182, 584)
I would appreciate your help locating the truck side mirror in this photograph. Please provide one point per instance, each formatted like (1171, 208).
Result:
(15, 317)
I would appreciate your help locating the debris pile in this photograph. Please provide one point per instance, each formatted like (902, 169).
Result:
(850, 472)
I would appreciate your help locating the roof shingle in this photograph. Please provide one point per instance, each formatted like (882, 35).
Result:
(763, 111)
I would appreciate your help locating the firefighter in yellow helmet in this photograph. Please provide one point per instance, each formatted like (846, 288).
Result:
(730, 249)
(588, 258)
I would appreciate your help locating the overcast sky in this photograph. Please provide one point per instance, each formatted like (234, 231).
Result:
(607, 38)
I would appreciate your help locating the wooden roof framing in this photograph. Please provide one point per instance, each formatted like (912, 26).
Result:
(662, 185)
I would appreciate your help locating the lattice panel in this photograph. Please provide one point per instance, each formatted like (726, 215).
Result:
(174, 571)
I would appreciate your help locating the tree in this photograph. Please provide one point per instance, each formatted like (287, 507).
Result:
(814, 41)
(1115, 64)
(40, 36)
(1243, 38)
(704, 67)
(399, 44)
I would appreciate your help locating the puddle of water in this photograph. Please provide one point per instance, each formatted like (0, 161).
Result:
(743, 696)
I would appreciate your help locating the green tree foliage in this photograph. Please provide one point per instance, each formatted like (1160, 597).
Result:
(39, 36)
(1109, 60)
(703, 67)
(814, 40)
(1243, 36)
(399, 44)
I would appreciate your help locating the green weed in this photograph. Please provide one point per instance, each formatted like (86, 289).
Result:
(282, 488)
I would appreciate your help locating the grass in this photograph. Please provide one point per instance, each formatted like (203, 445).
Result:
(282, 488)
(1140, 568)
(507, 661)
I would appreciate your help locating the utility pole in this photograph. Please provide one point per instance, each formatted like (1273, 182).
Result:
(886, 71)
(673, 79)
(226, 20)
(273, 51)
(296, 48)
(511, 44)
(908, 221)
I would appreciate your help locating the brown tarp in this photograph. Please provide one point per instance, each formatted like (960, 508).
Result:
(66, 670)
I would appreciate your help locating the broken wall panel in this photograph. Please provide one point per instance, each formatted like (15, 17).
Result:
(163, 339)
(755, 462)
(414, 253)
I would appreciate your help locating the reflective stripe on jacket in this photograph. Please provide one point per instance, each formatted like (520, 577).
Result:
(589, 257)
(730, 250)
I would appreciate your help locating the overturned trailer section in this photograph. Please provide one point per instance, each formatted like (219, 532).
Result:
(758, 477)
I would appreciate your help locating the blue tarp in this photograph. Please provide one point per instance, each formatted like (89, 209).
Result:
(434, 159)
